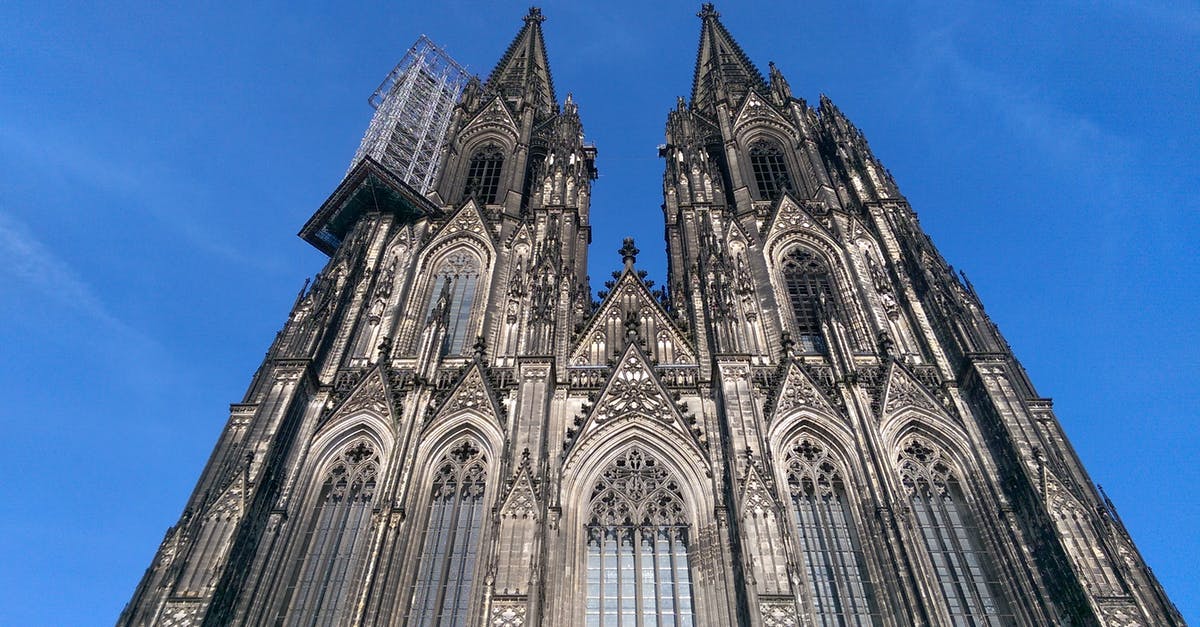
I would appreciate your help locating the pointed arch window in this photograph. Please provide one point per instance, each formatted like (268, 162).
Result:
(806, 280)
(334, 540)
(450, 547)
(838, 581)
(483, 174)
(770, 169)
(964, 570)
(454, 286)
(637, 547)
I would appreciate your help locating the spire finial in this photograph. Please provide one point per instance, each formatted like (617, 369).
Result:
(707, 10)
(534, 15)
(629, 253)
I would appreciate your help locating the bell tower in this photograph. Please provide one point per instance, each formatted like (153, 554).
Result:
(896, 463)
(815, 422)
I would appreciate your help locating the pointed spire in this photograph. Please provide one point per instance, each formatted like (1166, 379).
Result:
(524, 70)
(722, 69)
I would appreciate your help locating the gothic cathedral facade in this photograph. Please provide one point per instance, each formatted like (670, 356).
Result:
(813, 423)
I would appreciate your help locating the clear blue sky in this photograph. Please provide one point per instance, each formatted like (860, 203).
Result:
(155, 164)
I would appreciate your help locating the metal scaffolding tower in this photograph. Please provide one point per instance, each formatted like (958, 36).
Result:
(412, 112)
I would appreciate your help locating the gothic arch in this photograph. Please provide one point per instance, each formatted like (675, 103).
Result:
(828, 252)
(820, 486)
(766, 137)
(833, 430)
(464, 255)
(944, 514)
(334, 522)
(457, 475)
(582, 477)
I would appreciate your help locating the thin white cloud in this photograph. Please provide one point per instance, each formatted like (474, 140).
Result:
(141, 183)
(30, 263)
(1064, 138)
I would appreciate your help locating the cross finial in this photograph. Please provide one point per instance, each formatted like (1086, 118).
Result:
(534, 15)
(629, 253)
(707, 10)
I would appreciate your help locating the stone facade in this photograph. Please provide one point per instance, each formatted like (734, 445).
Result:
(813, 423)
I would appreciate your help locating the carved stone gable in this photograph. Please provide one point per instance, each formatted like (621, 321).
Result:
(493, 116)
(903, 391)
(756, 496)
(633, 390)
(370, 394)
(756, 110)
(521, 501)
(790, 216)
(467, 220)
(470, 393)
(798, 390)
(630, 300)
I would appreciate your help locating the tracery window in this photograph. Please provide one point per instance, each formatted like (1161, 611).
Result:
(637, 547)
(442, 589)
(454, 286)
(806, 280)
(963, 568)
(483, 174)
(838, 582)
(770, 169)
(335, 540)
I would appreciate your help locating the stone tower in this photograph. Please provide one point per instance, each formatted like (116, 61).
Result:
(814, 423)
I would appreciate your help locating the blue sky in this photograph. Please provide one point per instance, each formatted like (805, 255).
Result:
(156, 162)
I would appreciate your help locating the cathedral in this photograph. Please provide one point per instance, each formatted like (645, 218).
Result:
(814, 422)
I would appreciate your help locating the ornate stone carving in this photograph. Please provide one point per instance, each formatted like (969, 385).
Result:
(182, 614)
(799, 390)
(633, 390)
(778, 613)
(508, 613)
(904, 391)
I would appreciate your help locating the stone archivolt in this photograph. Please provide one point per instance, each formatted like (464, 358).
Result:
(897, 465)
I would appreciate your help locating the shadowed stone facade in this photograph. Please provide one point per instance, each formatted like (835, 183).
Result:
(813, 423)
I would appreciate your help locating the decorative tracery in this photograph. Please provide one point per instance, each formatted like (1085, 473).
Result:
(442, 589)
(637, 546)
(483, 174)
(806, 279)
(770, 169)
(838, 582)
(455, 284)
(963, 568)
(334, 539)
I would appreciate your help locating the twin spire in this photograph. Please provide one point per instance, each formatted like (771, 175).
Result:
(524, 70)
(722, 68)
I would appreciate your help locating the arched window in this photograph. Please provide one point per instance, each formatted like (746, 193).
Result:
(963, 568)
(442, 589)
(637, 547)
(838, 582)
(483, 174)
(334, 540)
(806, 280)
(454, 286)
(770, 169)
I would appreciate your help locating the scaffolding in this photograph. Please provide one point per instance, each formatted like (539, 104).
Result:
(412, 113)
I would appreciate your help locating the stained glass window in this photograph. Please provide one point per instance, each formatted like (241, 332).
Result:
(335, 540)
(806, 280)
(963, 568)
(483, 174)
(450, 547)
(454, 286)
(770, 170)
(637, 547)
(838, 583)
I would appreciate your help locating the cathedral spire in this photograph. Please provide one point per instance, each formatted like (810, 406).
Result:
(722, 69)
(524, 70)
